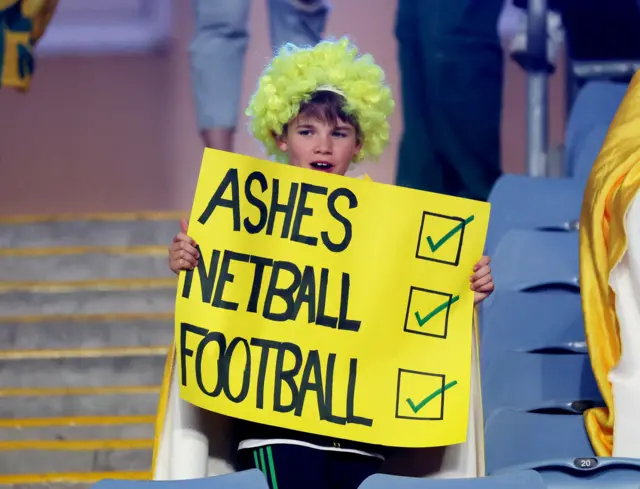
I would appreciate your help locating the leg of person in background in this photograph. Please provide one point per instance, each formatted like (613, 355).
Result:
(301, 22)
(417, 166)
(217, 55)
(452, 109)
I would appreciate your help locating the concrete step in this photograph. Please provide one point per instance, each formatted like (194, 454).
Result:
(75, 456)
(83, 301)
(45, 485)
(45, 233)
(86, 316)
(30, 406)
(83, 372)
(120, 263)
(87, 331)
(28, 429)
(61, 480)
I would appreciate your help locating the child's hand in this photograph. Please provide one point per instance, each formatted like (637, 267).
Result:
(481, 280)
(182, 252)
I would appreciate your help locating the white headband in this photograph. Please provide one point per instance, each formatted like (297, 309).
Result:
(329, 88)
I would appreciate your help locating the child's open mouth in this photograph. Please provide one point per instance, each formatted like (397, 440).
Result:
(322, 166)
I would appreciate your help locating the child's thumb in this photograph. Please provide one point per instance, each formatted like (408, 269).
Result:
(184, 225)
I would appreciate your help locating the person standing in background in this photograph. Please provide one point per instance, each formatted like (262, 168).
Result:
(218, 49)
(451, 66)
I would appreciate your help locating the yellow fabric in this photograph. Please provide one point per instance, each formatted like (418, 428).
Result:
(612, 185)
(23, 22)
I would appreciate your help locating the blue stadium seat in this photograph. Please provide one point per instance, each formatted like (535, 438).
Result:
(522, 202)
(528, 259)
(540, 382)
(246, 479)
(532, 321)
(587, 152)
(576, 473)
(596, 104)
(517, 437)
(516, 480)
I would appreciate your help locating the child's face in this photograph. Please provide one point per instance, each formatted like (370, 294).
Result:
(319, 145)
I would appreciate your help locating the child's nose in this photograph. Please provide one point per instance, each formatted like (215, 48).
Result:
(324, 145)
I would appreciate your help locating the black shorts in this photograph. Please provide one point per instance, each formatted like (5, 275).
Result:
(296, 466)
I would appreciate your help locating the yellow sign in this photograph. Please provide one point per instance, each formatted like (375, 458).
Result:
(329, 305)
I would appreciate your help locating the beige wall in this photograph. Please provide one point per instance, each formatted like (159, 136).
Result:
(117, 133)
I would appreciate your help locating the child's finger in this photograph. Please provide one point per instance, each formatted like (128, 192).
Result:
(182, 258)
(185, 256)
(180, 264)
(184, 225)
(482, 281)
(176, 252)
(484, 271)
(180, 246)
(486, 288)
(483, 262)
(181, 237)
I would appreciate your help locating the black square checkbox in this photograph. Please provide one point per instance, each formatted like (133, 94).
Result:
(420, 395)
(428, 312)
(441, 237)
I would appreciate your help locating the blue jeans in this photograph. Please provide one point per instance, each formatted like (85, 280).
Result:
(218, 49)
(451, 68)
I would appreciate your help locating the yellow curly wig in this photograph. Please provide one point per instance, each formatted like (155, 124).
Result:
(296, 73)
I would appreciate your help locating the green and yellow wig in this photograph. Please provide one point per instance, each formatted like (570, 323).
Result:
(296, 73)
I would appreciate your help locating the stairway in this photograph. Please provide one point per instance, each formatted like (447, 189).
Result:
(86, 317)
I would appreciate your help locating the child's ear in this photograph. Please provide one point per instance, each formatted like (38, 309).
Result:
(356, 151)
(281, 141)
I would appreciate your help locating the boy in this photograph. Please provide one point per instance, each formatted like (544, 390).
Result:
(321, 108)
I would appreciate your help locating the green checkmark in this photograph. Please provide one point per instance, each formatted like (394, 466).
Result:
(417, 407)
(423, 320)
(434, 246)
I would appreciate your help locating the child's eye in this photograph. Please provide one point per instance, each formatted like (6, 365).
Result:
(339, 134)
(304, 132)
